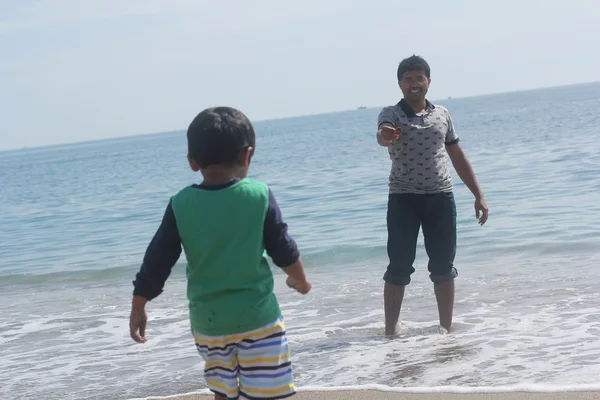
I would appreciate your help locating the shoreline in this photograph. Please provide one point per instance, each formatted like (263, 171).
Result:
(380, 392)
(378, 395)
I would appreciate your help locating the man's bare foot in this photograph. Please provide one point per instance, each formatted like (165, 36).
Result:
(445, 331)
(390, 333)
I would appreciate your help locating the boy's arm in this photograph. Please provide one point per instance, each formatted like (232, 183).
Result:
(161, 255)
(282, 248)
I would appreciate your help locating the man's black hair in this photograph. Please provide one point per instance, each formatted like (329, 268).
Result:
(413, 63)
(218, 135)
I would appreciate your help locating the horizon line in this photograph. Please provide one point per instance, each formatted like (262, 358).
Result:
(87, 141)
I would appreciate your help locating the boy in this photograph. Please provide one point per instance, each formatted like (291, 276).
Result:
(224, 226)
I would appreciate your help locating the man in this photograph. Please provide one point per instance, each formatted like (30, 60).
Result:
(418, 136)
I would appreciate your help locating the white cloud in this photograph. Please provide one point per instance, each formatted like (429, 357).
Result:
(224, 14)
(48, 13)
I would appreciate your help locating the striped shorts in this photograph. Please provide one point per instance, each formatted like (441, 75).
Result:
(251, 365)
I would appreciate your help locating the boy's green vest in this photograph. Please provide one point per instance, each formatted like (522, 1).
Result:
(229, 281)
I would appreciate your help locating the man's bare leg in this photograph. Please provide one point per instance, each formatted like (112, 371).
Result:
(219, 397)
(444, 294)
(392, 301)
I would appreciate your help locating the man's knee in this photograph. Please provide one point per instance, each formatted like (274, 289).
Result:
(438, 277)
(397, 278)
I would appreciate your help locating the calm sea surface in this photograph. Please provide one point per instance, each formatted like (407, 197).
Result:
(76, 219)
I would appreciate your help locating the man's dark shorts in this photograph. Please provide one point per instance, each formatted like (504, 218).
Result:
(406, 214)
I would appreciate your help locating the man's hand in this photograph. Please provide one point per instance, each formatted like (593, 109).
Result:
(388, 135)
(300, 287)
(138, 319)
(481, 210)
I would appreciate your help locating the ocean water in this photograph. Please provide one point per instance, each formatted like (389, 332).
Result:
(75, 221)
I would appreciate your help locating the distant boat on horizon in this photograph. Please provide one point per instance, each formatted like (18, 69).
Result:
(362, 107)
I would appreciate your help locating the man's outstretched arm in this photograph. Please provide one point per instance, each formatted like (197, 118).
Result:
(386, 127)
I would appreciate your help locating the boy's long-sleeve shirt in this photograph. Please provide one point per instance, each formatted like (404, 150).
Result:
(224, 231)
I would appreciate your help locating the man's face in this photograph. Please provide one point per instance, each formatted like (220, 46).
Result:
(414, 85)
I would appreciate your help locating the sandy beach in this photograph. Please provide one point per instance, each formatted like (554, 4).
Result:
(388, 395)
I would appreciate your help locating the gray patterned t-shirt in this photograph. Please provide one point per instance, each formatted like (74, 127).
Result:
(419, 162)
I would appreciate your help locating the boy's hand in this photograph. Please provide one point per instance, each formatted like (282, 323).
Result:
(138, 319)
(300, 287)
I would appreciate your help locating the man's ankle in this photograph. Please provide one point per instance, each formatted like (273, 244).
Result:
(392, 299)
(444, 293)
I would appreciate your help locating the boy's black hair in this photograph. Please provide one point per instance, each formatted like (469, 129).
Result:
(218, 135)
(413, 63)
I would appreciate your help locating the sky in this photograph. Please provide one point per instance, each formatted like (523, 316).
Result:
(73, 70)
